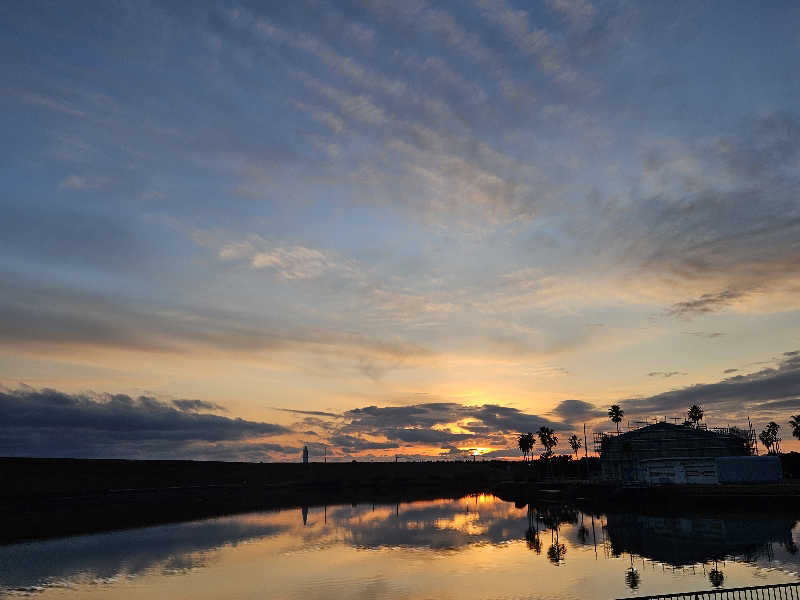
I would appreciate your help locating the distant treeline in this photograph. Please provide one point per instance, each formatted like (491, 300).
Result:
(790, 461)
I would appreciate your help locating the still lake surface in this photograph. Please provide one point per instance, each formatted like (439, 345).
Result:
(476, 547)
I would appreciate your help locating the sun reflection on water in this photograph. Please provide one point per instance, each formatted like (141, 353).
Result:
(470, 548)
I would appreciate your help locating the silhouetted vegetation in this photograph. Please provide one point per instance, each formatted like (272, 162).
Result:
(695, 414)
(615, 413)
(525, 443)
(790, 462)
(548, 439)
(575, 444)
(769, 437)
(794, 423)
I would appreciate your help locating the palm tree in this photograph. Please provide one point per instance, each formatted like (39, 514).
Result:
(575, 444)
(769, 437)
(615, 413)
(548, 439)
(525, 442)
(795, 423)
(776, 440)
(695, 414)
(765, 439)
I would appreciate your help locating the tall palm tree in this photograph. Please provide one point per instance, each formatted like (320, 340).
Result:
(525, 442)
(695, 414)
(615, 413)
(773, 428)
(765, 439)
(548, 439)
(795, 423)
(575, 444)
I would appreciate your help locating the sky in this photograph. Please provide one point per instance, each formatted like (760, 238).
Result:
(228, 230)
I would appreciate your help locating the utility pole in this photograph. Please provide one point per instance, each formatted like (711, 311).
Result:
(585, 444)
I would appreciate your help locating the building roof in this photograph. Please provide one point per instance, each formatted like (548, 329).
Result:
(668, 428)
(661, 440)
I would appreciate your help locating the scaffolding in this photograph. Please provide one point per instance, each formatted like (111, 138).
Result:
(747, 436)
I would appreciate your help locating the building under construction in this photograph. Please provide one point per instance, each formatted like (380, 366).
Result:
(667, 453)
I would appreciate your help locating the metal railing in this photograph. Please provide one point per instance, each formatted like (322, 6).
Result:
(780, 591)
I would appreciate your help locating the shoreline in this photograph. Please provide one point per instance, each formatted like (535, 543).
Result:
(50, 498)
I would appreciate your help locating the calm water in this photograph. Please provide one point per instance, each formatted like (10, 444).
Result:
(475, 547)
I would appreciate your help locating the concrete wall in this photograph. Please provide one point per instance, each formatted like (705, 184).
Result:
(705, 470)
(701, 470)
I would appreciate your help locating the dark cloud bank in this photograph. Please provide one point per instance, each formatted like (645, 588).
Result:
(52, 423)
(484, 425)
(55, 424)
(768, 394)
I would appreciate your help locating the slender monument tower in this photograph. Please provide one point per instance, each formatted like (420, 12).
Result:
(305, 455)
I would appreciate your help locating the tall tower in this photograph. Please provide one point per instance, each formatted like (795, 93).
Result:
(305, 455)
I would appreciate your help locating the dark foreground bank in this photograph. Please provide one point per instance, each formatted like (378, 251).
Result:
(42, 498)
(55, 497)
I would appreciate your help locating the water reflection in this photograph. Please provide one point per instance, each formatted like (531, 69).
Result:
(715, 576)
(687, 540)
(167, 549)
(478, 540)
(632, 577)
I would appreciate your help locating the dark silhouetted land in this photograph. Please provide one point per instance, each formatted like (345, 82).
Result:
(54, 497)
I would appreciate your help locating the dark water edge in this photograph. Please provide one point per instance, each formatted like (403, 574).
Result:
(60, 517)
(49, 498)
(608, 496)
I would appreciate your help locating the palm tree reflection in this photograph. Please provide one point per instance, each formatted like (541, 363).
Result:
(632, 577)
(532, 533)
(715, 576)
(583, 532)
(556, 552)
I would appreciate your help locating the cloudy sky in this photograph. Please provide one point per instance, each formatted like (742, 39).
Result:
(392, 227)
